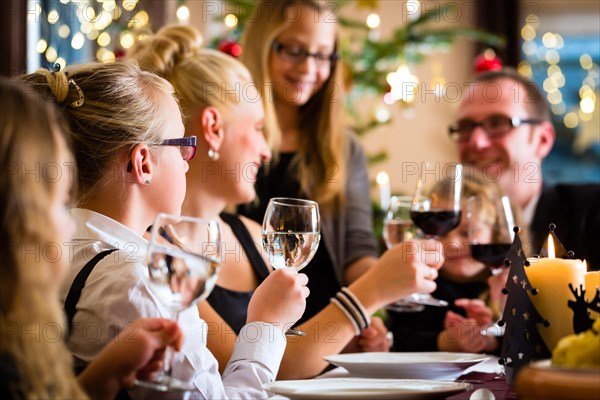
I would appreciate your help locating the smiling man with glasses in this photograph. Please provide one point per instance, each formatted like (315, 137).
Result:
(503, 128)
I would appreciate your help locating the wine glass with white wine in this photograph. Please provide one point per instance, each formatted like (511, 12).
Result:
(291, 231)
(398, 228)
(183, 260)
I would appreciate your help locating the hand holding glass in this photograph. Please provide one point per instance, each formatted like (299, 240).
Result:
(290, 234)
(436, 207)
(183, 260)
(397, 228)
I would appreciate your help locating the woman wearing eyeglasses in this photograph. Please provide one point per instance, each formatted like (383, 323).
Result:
(132, 158)
(291, 48)
(231, 149)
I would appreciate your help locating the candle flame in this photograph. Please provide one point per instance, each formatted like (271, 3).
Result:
(551, 253)
(382, 178)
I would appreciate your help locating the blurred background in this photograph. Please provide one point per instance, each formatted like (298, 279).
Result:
(406, 61)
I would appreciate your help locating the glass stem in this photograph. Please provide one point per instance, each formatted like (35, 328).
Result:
(169, 354)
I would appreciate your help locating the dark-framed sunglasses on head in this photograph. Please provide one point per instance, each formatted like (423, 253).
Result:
(296, 54)
(494, 126)
(187, 146)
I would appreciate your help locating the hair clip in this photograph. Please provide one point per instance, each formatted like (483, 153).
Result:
(79, 102)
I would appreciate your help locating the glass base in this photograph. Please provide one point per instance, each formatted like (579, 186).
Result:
(294, 332)
(164, 383)
(493, 330)
(403, 305)
(426, 300)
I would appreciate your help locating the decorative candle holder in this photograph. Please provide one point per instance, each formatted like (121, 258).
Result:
(522, 341)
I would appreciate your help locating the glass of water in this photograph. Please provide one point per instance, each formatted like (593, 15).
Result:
(183, 260)
(291, 231)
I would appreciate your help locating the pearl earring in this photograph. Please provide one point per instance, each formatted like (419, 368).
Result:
(213, 154)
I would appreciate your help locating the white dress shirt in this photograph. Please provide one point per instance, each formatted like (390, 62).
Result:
(116, 294)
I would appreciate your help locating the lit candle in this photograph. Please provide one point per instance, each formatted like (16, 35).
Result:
(413, 9)
(385, 191)
(551, 276)
(592, 283)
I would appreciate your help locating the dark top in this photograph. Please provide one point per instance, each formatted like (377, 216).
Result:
(575, 209)
(232, 306)
(10, 379)
(280, 182)
(418, 331)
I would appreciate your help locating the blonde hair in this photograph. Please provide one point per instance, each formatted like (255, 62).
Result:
(201, 77)
(30, 315)
(323, 141)
(122, 107)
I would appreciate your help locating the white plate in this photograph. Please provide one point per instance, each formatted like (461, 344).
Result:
(423, 365)
(364, 388)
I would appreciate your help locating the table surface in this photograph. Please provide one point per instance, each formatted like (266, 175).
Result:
(482, 375)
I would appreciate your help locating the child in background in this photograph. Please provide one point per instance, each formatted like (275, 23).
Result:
(464, 283)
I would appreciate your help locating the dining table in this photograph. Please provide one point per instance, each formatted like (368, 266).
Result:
(484, 375)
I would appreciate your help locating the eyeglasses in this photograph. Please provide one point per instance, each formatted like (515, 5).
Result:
(296, 55)
(187, 146)
(495, 126)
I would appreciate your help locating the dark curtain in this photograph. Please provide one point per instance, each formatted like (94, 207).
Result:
(502, 18)
(13, 37)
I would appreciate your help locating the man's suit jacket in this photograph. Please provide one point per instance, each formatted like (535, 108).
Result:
(575, 209)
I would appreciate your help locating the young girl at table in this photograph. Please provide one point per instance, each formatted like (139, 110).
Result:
(230, 129)
(34, 192)
(464, 283)
(127, 134)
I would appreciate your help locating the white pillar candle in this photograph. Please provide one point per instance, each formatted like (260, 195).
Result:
(551, 276)
(385, 191)
(592, 283)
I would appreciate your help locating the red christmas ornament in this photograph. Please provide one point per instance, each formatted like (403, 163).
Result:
(488, 61)
(119, 53)
(230, 47)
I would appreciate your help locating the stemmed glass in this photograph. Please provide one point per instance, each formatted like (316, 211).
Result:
(397, 228)
(436, 208)
(291, 231)
(490, 233)
(183, 261)
(489, 245)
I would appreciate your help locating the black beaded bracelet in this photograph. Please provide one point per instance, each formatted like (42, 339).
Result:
(352, 308)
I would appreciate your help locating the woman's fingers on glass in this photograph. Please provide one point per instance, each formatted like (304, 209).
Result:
(430, 273)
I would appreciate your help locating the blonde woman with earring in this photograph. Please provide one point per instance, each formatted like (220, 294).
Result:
(232, 126)
(128, 140)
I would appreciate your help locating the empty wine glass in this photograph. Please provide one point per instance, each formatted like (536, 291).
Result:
(183, 261)
(397, 228)
(291, 231)
(436, 208)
